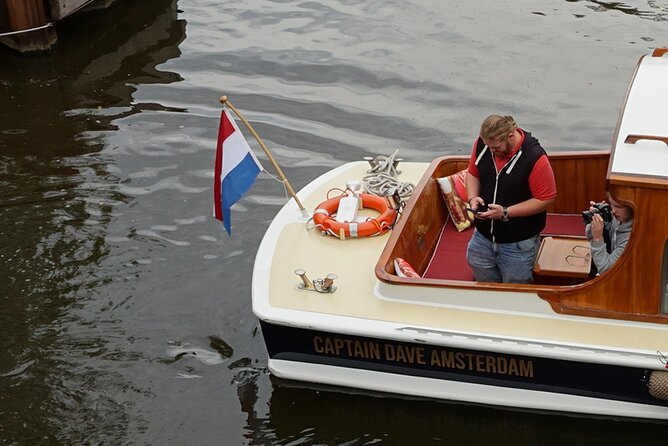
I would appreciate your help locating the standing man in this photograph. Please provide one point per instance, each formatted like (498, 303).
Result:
(511, 184)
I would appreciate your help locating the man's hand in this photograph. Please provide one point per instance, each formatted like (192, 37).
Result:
(494, 212)
(477, 203)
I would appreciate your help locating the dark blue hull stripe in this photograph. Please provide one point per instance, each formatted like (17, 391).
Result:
(601, 381)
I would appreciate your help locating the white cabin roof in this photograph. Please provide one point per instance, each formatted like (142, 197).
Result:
(645, 114)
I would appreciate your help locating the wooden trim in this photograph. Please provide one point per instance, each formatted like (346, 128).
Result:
(631, 180)
(632, 139)
(659, 52)
(656, 318)
(482, 286)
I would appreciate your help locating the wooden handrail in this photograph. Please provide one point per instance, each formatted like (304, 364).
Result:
(658, 52)
(632, 139)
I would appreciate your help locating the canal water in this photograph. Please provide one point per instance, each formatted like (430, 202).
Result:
(125, 313)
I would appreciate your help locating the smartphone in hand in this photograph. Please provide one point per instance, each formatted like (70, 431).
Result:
(482, 208)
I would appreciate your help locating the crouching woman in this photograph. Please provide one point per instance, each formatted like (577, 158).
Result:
(608, 238)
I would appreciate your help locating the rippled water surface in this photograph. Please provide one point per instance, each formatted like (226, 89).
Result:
(125, 309)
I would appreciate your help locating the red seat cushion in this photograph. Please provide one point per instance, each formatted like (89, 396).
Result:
(563, 224)
(449, 259)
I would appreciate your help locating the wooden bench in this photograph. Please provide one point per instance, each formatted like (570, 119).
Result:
(449, 259)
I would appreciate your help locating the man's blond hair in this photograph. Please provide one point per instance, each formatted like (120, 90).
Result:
(496, 127)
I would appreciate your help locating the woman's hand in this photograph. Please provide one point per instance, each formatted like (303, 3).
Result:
(597, 225)
(592, 207)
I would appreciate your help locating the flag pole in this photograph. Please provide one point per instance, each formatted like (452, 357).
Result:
(225, 101)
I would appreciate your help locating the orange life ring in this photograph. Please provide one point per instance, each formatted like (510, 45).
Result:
(322, 218)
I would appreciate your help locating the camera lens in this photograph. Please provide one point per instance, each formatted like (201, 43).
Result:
(587, 216)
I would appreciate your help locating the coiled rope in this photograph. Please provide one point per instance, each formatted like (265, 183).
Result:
(381, 178)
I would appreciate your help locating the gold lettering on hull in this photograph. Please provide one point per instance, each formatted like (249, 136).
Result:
(346, 347)
(418, 355)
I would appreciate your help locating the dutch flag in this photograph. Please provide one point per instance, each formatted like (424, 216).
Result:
(235, 171)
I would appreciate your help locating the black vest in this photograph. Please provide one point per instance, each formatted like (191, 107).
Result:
(512, 187)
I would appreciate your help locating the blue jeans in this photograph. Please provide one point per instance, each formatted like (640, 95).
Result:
(502, 262)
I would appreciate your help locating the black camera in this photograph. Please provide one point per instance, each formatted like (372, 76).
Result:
(603, 209)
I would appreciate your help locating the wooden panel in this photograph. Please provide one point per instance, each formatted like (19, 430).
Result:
(28, 14)
(580, 177)
(422, 220)
(638, 181)
(632, 285)
(24, 14)
(4, 17)
(563, 257)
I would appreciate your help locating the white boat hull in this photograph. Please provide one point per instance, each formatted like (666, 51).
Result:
(459, 391)
(502, 348)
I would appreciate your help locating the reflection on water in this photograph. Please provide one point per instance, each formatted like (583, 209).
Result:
(651, 10)
(303, 414)
(57, 199)
(81, 87)
(221, 351)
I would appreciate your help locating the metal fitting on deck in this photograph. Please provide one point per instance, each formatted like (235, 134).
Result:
(325, 285)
